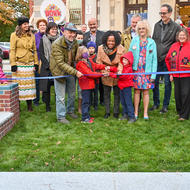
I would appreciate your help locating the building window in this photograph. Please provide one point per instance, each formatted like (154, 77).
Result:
(135, 7)
(75, 11)
(141, 1)
(131, 2)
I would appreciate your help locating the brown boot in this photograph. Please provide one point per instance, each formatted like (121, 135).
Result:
(79, 105)
(29, 105)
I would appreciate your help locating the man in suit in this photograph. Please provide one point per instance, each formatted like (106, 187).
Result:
(95, 35)
(164, 35)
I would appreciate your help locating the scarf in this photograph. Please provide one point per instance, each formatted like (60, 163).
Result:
(69, 44)
(47, 41)
(109, 51)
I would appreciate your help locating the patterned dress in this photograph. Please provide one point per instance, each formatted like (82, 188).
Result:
(25, 79)
(142, 81)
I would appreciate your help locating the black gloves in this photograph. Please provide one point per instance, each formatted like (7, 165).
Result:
(36, 67)
(14, 68)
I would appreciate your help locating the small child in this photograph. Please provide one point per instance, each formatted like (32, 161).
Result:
(87, 83)
(92, 58)
(2, 77)
(79, 38)
(125, 83)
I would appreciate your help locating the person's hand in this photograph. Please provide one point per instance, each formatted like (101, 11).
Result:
(107, 68)
(79, 74)
(119, 72)
(105, 74)
(14, 68)
(152, 80)
(171, 78)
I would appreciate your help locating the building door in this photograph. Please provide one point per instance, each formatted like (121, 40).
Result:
(135, 7)
(183, 10)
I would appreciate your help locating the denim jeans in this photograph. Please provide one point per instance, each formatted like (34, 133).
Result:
(37, 99)
(86, 94)
(61, 88)
(126, 101)
(168, 88)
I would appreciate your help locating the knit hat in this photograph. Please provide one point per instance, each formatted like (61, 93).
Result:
(91, 44)
(22, 20)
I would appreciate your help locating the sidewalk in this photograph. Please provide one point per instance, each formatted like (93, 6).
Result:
(93, 181)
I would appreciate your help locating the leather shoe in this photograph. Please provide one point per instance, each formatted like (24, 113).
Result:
(63, 120)
(116, 115)
(72, 115)
(124, 117)
(154, 107)
(164, 110)
(107, 115)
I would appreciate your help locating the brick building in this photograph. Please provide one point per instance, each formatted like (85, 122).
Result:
(115, 14)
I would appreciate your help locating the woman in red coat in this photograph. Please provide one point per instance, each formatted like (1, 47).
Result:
(87, 82)
(178, 59)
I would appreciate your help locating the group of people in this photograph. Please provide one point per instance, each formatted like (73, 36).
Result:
(102, 61)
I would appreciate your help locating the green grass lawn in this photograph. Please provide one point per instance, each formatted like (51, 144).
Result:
(39, 143)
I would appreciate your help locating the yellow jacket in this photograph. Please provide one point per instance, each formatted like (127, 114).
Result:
(23, 49)
(126, 38)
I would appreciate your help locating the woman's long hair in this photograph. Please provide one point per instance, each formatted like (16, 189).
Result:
(19, 31)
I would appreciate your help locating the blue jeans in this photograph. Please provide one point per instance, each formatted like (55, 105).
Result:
(126, 102)
(37, 99)
(168, 88)
(61, 88)
(86, 96)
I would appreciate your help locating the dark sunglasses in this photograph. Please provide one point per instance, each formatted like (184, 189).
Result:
(163, 13)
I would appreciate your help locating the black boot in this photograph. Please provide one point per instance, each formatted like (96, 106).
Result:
(29, 105)
(48, 108)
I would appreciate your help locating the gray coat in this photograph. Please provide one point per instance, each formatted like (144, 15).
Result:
(165, 39)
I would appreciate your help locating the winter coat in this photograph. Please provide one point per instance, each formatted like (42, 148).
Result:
(163, 45)
(126, 38)
(151, 55)
(23, 49)
(44, 70)
(38, 37)
(88, 82)
(179, 60)
(102, 58)
(2, 75)
(124, 80)
(62, 59)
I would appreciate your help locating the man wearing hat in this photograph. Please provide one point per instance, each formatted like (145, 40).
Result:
(62, 60)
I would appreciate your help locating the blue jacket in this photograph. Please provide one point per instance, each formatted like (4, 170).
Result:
(151, 55)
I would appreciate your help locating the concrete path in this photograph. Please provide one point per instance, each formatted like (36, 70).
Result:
(93, 181)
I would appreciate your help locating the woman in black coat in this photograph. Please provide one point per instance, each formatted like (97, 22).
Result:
(45, 51)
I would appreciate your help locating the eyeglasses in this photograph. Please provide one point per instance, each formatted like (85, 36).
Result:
(163, 13)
